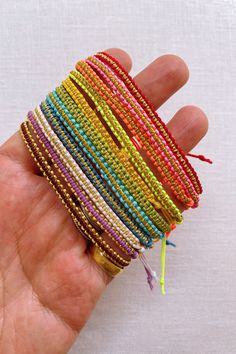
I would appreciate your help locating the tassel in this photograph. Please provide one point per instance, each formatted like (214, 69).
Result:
(201, 157)
(151, 274)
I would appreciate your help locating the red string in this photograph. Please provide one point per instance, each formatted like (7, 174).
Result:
(201, 157)
(173, 226)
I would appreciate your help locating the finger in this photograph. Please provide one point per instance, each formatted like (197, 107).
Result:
(15, 148)
(188, 126)
(123, 58)
(162, 78)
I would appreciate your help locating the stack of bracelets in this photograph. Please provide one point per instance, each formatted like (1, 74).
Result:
(87, 137)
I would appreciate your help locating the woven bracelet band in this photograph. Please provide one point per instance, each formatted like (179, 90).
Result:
(108, 155)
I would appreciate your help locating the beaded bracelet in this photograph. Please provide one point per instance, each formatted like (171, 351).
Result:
(95, 178)
(81, 139)
(138, 130)
(110, 159)
(77, 214)
(133, 106)
(147, 106)
(79, 99)
(130, 149)
(84, 182)
(75, 189)
(88, 138)
(118, 162)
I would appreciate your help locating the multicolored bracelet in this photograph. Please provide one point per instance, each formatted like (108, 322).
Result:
(126, 108)
(89, 138)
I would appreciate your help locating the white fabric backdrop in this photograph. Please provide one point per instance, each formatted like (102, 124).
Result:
(40, 41)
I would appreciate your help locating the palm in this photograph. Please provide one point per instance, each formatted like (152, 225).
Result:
(50, 284)
(48, 275)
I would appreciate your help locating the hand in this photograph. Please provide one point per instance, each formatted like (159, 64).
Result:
(49, 283)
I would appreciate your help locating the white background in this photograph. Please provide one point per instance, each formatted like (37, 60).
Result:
(40, 41)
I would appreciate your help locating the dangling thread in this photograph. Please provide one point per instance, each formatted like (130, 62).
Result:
(163, 260)
(201, 157)
(151, 274)
(169, 243)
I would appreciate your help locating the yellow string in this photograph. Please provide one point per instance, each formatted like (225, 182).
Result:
(163, 261)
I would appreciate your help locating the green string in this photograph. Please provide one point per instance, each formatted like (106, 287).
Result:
(163, 261)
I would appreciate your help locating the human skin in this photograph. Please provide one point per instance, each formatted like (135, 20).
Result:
(49, 283)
